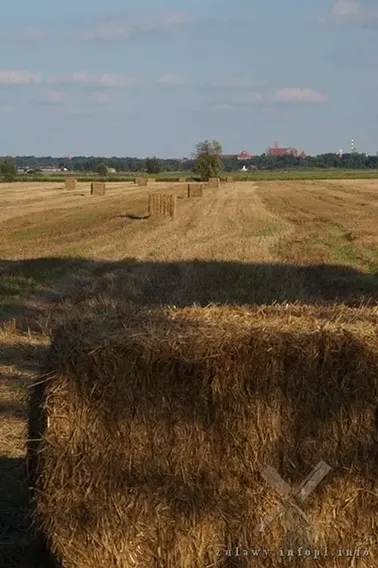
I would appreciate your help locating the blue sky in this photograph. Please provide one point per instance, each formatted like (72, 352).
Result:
(121, 78)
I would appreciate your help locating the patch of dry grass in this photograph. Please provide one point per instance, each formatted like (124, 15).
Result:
(333, 221)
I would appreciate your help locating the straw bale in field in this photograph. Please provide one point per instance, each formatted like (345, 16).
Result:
(214, 183)
(150, 432)
(142, 182)
(195, 189)
(162, 205)
(98, 188)
(71, 183)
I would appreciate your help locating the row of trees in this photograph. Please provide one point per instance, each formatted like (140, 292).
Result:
(151, 166)
(207, 161)
(154, 165)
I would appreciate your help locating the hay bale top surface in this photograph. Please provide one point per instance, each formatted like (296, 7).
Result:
(202, 330)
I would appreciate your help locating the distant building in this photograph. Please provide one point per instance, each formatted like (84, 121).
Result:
(277, 151)
(242, 156)
(50, 169)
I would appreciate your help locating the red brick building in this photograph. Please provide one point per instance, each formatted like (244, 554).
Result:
(277, 151)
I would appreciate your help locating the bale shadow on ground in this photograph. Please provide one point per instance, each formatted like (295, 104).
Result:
(19, 546)
(203, 282)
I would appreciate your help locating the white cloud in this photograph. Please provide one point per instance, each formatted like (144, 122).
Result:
(353, 10)
(13, 77)
(345, 8)
(118, 30)
(112, 80)
(171, 80)
(299, 96)
(84, 78)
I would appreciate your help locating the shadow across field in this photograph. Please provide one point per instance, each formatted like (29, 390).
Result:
(186, 282)
(64, 282)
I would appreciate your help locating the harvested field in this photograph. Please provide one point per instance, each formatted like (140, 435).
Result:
(310, 246)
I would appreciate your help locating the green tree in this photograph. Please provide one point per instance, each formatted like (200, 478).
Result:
(208, 159)
(8, 169)
(153, 166)
(102, 170)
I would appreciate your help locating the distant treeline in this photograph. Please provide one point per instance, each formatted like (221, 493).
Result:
(264, 162)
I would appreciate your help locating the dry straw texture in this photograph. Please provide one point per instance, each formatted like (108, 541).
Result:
(229, 179)
(151, 430)
(71, 183)
(195, 189)
(214, 183)
(142, 182)
(98, 188)
(162, 205)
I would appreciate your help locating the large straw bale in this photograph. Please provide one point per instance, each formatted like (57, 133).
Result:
(195, 189)
(71, 183)
(98, 188)
(149, 431)
(162, 205)
(214, 183)
(142, 182)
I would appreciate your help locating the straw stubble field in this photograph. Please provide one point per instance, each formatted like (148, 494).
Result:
(67, 259)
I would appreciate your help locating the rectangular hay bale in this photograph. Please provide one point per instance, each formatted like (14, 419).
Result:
(98, 188)
(142, 182)
(149, 434)
(71, 183)
(162, 205)
(195, 189)
(214, 183)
